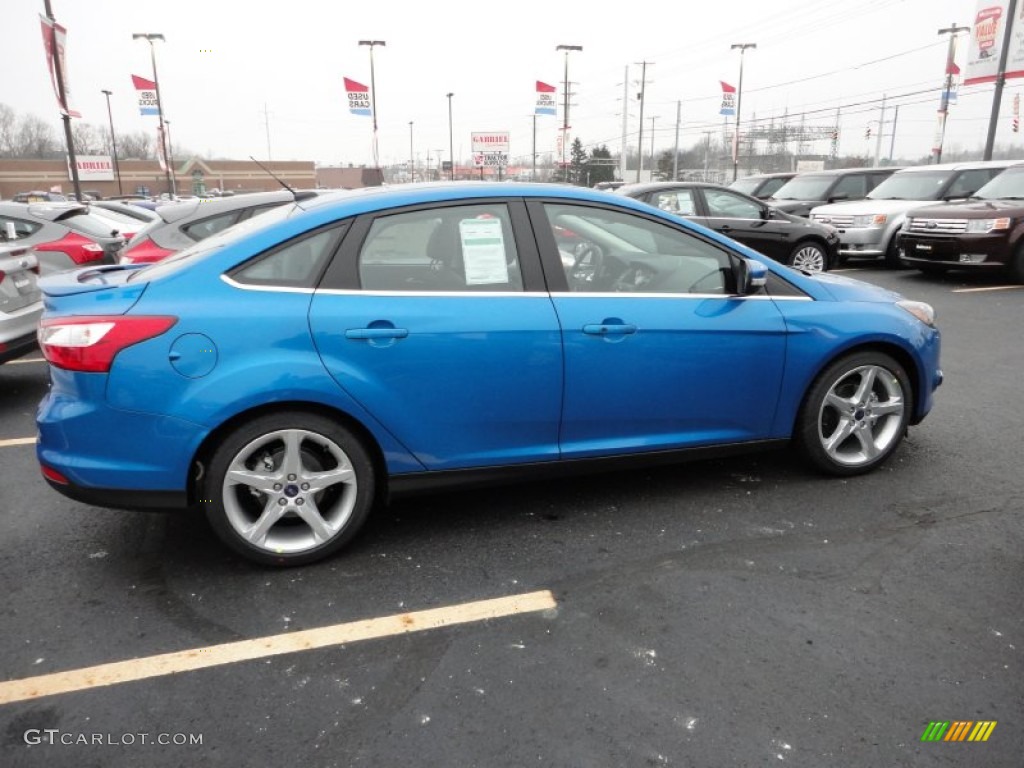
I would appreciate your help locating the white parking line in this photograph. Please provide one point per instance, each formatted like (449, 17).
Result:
(17, 441)
(989, 288)
(272, 645)
(27, 360)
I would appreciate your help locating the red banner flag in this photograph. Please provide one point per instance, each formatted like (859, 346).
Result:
(55, 39)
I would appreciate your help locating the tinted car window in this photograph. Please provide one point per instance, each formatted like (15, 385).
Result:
(15, 229)
(679, 201)
(923, 185)
(199, 230)
(727, 205)
(461, 248)
(296, 264)
(969, 182)
(1010, 183)
(805, 188)
(851, 187)
(632, 254)
(769, 188)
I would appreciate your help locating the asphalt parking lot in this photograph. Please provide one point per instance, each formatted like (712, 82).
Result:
(737, 612)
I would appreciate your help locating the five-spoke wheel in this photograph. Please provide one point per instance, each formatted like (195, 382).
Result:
(288, 489)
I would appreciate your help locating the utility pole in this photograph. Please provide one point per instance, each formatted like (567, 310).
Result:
(566, 84)
(675, 151)
(892, 139)
(881, 127)
(953, 30)
(63, 97)
(412, 157)
(739, 103)
(625, 124)
(654, 164)
(113, 141)
(533, 168)
(640, 136)
(371, 44)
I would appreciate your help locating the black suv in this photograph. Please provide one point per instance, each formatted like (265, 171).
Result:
(809, 190)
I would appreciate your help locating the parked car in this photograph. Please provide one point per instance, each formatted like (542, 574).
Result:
(985, 233)
(609, 185)
(788, 239)
(21, 303)
(809, 190)
(869, 228)
(64, 235)
(761, 185)
(285, 375)
(39, 196)
(127, 219)
(180, 225)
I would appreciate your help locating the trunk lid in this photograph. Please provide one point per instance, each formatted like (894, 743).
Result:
(93, 290)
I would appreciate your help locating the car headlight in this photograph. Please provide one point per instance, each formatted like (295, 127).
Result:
(987, 225)
(870, 220)
(923, 312)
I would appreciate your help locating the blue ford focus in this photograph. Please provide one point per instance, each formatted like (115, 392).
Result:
(294, 371)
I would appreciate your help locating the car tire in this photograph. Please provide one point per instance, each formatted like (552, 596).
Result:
(855, 414)
(810, 256)
(893, 260)
(288, 489)
(1016, 265)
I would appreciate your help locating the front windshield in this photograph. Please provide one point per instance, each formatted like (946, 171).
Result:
(926, 185)
(205, 246)
(805, 188)
(1007, 185)
(746, 186)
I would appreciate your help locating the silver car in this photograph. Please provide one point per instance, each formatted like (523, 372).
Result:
(20, 301)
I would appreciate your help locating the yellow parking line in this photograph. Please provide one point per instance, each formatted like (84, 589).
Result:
(17, 441)
(989, 288)
(271, 645)
(28, 360)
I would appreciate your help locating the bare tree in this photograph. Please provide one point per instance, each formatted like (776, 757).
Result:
(87, 137)
(8, 121)
(138, 145)
(34, 138)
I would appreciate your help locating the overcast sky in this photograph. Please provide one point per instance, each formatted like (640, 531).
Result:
(224, 61)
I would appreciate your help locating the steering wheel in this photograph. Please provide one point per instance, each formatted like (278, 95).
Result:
(587, 265)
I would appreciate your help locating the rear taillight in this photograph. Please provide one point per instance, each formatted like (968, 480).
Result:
(80, 249)
(90, 343)
(143, 251)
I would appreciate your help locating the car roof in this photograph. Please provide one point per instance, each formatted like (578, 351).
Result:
(966, 165)
(651, 186)
(179, 211)
(852, 171)
(778, 175)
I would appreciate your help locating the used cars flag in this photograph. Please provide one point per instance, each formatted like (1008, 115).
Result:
(147, 95)
(728, 99)
(545, 99)
(358, 98)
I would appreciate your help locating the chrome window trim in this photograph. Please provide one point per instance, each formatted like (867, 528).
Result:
(271, 288)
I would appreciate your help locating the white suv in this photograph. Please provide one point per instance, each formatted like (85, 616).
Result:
(869, 228)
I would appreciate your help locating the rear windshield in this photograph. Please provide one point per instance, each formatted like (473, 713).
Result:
(89, 225)
(1008, 185)
(805, 188)
(924, 185)
(746, 186)
(181, 258)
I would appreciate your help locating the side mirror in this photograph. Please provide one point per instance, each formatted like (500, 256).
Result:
(769, 213)
(837, 198)
(750, 275)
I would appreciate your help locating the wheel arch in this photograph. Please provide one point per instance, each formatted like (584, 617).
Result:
(201, 457)
(893, 350)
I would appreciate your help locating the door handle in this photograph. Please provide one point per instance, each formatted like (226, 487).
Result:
(609, 329)
(376, 333)
(725, 228)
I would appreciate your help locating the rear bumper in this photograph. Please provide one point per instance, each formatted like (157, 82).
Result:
(18, 331)
(115, 498)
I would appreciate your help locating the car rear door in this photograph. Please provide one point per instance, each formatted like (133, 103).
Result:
(658, 354)
(435, 319)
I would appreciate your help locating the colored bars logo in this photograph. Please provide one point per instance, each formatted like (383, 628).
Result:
(958, 730)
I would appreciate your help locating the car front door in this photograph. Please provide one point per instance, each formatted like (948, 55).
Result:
(659, 353)
(436, 321)
(744, 219)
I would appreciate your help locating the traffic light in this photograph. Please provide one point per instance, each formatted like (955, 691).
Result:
(867, 132)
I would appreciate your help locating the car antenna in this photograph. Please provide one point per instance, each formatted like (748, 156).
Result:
(275, 178)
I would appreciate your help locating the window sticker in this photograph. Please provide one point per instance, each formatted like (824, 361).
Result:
(483, 251)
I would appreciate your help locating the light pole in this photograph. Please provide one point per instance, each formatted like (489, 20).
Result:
(739, 103)
(653, 165)
(170, 156)
(150, 37)
(412, 161)
(952, 31)
(113, 141)
(565, 102)
(451, 143)
(373, 98)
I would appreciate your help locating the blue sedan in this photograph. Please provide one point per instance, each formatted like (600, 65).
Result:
(295, 370)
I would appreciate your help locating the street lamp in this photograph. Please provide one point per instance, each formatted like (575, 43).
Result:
(565, 99)
(170, 156)
(373, 98)
(739, 102)
(451, 143)
(150, 37)
(113, 141)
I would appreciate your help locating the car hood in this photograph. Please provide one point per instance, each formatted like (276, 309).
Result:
(843, 288)
(789, 206)
(973, 209)
(868, 207)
